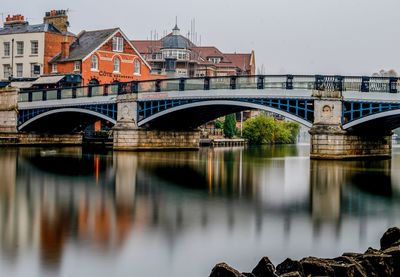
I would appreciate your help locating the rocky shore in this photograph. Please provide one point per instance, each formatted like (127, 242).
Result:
(384, 262)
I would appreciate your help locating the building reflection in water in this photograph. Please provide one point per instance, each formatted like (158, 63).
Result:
(98, 202)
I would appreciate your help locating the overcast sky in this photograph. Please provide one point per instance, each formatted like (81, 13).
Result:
(288, 36)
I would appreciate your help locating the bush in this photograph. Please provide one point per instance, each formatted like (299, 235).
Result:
(267, 130)
(230, 126)
(218, 124)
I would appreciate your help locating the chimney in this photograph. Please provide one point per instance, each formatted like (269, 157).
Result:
(64, 49)
(58, 18)
(15, 20)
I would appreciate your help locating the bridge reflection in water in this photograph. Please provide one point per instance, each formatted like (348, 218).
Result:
(178, 213)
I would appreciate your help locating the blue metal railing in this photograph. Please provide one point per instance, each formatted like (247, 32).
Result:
(289, 82)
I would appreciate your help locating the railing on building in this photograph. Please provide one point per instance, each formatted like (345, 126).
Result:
(260, 82)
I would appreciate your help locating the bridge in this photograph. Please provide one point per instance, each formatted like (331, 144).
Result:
(348, 116)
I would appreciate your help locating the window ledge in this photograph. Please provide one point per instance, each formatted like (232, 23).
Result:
(137, 74)
(19, 56)
(6, 57)
(34, 55)
(94, 70)
(116, 72)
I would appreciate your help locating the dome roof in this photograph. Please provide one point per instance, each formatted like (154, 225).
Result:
(175, 42)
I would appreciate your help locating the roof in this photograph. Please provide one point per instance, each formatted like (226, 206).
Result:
(172, 41)
(26, 28)
(147, 46)
(242, 61)
(22, 85)
(85, 43)
(208, 51)
(45, 80)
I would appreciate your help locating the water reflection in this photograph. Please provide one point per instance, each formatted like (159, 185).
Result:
(69, 206)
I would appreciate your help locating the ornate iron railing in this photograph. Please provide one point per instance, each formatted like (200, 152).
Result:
(261, 82)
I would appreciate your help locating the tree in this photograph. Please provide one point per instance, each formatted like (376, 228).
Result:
(267, 130)
(384, 73)
(230, 126)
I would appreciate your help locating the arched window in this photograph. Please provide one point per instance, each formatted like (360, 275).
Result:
(94, 82)
(95, 62)
(136, 66)
(117, 65)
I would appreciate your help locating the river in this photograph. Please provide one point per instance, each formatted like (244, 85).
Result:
(77, 212)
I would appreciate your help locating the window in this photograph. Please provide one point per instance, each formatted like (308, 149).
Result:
(35, 70)
(54, 68)
(7, 71)
(118, 44)
(34, 47)
(117, 65)
(95, 62)
(6, 49)
(77, 66)
(20, 48)
(136, 66)
(20, 68)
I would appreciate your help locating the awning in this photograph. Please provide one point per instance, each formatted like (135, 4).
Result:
(22, 85)
(48, 80)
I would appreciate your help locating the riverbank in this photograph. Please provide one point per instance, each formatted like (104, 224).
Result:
(384, 262)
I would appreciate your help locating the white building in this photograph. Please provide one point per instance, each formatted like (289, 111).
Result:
(26, 49)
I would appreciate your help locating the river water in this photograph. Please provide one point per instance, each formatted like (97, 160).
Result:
(76, 212)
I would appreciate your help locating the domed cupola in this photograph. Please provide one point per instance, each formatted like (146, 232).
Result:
(175, 40)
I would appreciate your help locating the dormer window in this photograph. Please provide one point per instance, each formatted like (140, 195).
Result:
(118, 44)
(214, 60)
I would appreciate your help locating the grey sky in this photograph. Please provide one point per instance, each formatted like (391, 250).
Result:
(288, 36)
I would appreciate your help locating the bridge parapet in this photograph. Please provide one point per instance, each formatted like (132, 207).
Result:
(256, 82)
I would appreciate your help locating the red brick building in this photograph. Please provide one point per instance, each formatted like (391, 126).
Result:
(177, 56)
(101, 57)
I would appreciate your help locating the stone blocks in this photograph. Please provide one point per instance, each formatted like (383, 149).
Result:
(141, 139)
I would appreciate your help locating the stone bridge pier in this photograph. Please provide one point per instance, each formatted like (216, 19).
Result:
(127, 135)
(9, 133)
(330, 141)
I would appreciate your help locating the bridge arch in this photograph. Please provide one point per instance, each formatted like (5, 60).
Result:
(388, 120)
(231, 103)
(66, 110)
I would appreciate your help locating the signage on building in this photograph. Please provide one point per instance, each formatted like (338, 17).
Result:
(109, 74)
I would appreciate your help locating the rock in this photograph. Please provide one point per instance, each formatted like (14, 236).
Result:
(395, 253)
(292, 274)
(316, 267)
(358, 269)
(248, 274)
(390, 238)
(342, 268)
(264, 268)
(288, 266)
(224, 270)
(377, 265)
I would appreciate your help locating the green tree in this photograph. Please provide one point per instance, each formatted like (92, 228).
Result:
(267, 130)
(218, 124)
(230, 126)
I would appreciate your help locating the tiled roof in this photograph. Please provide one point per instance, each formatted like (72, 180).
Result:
(85, 44)
(147, 46)
(241, 61)
(25, 28)
(208, 51)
